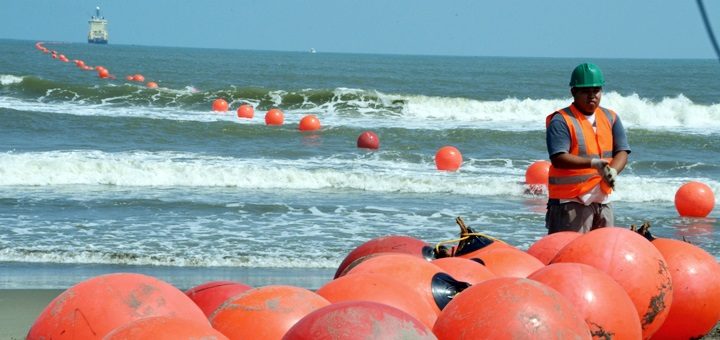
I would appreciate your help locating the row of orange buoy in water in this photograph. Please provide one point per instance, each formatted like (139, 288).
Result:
(447, 158)
(692, 199)
(102, 72)
(565, 286)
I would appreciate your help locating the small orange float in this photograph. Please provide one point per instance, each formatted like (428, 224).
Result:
(694, 199)
(274, 117)
(309, 123)
(245, 111)
(368, 140)
(220, 105)
(448, 158)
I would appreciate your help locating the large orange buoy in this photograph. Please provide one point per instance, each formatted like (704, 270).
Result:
(382, 289)
(634, 263)
(309, 123)
(103, 73)
(210, 295)
(509, 262)
(510, 308)
(151, 85)
(548, 246)
(368, 140)
(694, 199)
(265, 312)
(98, 68)
(138, 78)
(424, 277)
(390, 243)
(274, 117)
(220, 105)
(536, 176)
(465, 270)
(358, 320)
(696, 290)
(164, 328)
(600, 301)
(245, 111)
(94, 307)
(448, 158)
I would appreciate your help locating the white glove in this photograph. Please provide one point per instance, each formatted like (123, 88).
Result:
(609, 174)
(599, 164)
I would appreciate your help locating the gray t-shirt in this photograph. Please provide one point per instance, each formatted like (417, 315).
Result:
(558, 136)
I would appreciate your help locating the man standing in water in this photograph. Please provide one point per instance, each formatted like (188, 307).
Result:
(588, 148)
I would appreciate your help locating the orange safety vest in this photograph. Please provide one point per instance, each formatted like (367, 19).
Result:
(585, 142)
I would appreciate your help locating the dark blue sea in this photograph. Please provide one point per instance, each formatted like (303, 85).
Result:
(101, 175)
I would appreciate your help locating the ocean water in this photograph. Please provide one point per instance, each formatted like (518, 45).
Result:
(100, 175)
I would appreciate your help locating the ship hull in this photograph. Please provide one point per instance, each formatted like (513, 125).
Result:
(98, 41)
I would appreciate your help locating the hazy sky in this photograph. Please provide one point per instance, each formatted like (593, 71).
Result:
(554, 28)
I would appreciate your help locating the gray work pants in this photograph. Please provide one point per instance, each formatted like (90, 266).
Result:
(573, 216)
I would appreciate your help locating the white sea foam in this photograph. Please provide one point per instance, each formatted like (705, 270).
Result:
(375, 109)
(165, 169)
(8, 79)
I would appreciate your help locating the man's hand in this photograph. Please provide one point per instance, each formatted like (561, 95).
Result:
(599, 164)
(609, 174)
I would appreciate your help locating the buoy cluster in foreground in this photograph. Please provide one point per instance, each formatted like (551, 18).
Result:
(565, 286)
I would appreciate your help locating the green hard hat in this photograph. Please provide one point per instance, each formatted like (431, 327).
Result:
(587, 75)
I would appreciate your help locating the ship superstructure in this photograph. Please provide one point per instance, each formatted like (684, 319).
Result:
(98, 29)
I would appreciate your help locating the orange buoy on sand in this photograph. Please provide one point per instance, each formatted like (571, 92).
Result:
(164, 328)
(634, 263)
(694, 199)
(94, 307)
(151, 85)
(509, 262)
(220, 105)
(380, 288)
(359, 320)
(391, 243)
(600, 301)
(245, 111)
(417, 273)
(465, 270)
(510, 308)
(696, 290)
(368, 140)
(266, 312)
(309, 123)
(548, 246)
(210, 295)
(448, 158)
(274, 116)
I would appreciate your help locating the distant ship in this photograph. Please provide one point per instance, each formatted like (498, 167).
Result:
(312, 50)
(98, 29)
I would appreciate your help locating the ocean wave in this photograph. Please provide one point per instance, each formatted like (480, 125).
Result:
(179, 259)
(187, 170)
(346, 106)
